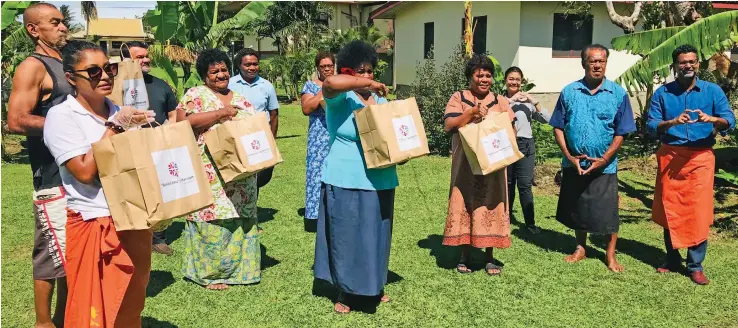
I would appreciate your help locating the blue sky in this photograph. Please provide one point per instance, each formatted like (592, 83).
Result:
(110, 9)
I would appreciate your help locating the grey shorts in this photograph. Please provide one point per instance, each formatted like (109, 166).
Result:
(50, 211)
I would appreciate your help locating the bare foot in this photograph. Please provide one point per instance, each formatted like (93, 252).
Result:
(384, 299)
(217, 286)
(341, 308)
(577, 256)
(614, 266)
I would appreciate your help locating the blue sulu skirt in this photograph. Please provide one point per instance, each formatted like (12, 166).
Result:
(352, 245)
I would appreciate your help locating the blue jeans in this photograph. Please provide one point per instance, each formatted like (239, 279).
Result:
(695, 254)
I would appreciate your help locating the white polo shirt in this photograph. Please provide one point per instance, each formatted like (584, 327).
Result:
(69, 131)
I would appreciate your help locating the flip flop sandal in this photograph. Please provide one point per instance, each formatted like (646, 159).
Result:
(341, 308)
(462, 268)
(492, 266)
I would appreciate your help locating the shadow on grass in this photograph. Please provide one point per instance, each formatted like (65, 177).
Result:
(645, 253)
(149, 322)
(447, 257)
(158, 281)
(289, 136)
(266, 260)
(365, 304)
(265, 214)
(174, 231)
(632, 191)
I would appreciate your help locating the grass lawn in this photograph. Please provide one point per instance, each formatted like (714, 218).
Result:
(536, 289)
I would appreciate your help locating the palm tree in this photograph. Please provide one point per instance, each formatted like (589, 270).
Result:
(69, 20)
(89, 12)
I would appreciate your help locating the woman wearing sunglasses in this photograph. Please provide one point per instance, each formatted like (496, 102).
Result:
(107, 271)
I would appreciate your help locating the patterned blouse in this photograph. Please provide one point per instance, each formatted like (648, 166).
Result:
(236, 199)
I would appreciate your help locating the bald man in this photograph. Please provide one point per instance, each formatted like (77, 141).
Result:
(39, 84)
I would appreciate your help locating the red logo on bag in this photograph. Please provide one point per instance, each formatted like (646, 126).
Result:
(496, 143)
(173, 169)
(134, 94)
(404, 130)
(255, 145)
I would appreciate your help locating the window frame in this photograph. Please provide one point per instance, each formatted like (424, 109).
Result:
(428, 46)
(570, 53)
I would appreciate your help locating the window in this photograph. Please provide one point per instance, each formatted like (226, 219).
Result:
(116, 45)
(571, 33)
(479, 39)
(428, 43)
(104, 46)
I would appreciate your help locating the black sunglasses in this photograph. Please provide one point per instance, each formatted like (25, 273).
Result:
(95, 72)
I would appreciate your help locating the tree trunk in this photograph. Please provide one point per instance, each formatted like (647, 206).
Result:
(627, 23)
(468, 30)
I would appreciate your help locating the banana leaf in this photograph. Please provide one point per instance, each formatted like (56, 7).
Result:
(641, 43)
(709, 35)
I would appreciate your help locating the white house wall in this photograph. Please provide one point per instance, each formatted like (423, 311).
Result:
(534, 54)
(503, 32)
(518, 33)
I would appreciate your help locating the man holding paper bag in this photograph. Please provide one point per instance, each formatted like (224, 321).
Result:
(590, 120)
(478, 209)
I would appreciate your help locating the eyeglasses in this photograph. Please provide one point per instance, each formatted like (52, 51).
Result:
(95, 72)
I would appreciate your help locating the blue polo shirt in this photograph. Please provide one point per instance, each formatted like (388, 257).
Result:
(344, 165)
(261, 93)
(591, 121)
(670, 101)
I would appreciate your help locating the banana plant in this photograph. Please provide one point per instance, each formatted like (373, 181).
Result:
(710, 35)
(192, 26)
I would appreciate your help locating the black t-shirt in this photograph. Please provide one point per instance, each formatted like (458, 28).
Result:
(162, 99)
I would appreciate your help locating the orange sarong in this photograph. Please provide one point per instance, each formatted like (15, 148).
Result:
(683, 202)
(107, 273)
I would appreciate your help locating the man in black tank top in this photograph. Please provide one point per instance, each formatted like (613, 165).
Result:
(39, 84)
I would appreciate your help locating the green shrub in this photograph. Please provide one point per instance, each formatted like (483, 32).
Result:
(432, 89)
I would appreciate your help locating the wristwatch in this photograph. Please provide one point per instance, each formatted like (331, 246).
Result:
(114, 127)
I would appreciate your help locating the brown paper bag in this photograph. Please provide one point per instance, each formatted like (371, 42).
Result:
(240, 148)
(490, 145)
(129, 88)
(152, 175)
(391, 133)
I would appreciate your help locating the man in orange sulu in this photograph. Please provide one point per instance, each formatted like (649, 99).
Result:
(686, 115)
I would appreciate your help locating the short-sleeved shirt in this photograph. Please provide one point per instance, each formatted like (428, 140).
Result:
(591, 121)
(344, 166)
(670, 100)
(162, 99)
(260, 93)
(69, 131)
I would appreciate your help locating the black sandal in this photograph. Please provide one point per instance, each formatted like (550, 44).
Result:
(492, 266)
(462, 268)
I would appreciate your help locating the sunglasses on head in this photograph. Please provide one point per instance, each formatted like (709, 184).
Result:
(95, 72)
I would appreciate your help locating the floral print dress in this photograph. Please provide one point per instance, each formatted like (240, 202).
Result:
(221, 242)
(317, 150)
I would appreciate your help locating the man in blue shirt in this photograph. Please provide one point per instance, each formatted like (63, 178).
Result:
(260, 93)
(685, 115)
(590, 120)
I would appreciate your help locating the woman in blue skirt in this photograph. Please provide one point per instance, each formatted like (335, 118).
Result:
(355, 217)
(317, 138)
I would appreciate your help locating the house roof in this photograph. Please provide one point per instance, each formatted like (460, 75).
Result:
(390, 9)
(114, 27)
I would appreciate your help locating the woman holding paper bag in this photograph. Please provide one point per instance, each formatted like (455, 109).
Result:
(107, 271)
(221, 241)
(478, 210)
(357, 204)
(317, 143)
(526, 109)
